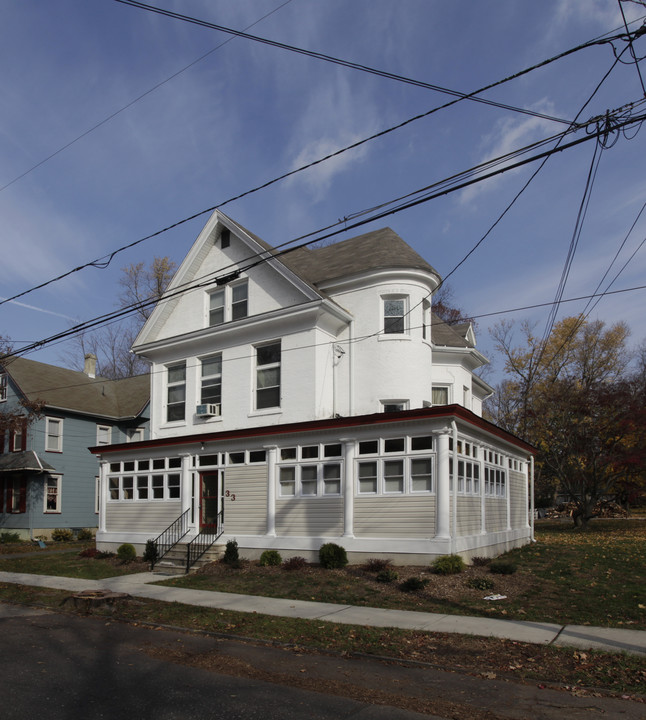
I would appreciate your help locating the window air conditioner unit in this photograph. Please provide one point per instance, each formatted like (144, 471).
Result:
(208, 410)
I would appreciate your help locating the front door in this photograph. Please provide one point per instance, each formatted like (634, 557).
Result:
(209, 501)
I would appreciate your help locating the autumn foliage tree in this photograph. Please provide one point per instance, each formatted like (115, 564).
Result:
(573, 397)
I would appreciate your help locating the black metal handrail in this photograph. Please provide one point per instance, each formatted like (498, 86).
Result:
(171, 536)
(202, 542)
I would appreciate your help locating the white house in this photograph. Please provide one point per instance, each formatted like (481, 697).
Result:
(311, 396)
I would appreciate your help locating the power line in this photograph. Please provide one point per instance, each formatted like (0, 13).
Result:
(337, 61)
(104, 261)
(114, 114)
(264, 256)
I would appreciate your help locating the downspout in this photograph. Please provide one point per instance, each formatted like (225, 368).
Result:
(531, 496)
(454, 510)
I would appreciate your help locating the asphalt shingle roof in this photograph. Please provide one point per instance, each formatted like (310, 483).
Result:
(74, 390)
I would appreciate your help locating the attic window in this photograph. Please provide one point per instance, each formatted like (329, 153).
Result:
(225, 238)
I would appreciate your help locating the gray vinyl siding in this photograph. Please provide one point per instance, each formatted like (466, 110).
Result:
(496, 514)
(469, 521)
(396, 517)
(141, 516)
(518, 499)
(309, 517)
(247, 514)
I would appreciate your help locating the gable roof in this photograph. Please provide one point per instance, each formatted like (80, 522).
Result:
(447, 335)
(73, 390)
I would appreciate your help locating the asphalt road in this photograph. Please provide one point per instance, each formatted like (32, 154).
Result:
(63, 667)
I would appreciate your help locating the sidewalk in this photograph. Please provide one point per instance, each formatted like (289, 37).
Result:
(139, 585)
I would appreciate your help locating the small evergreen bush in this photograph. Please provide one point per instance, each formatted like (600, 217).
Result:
(295, 563)
(332, 556)
(387, 575)
(231, 556)
(270, 557)
(103, 555)
(9, 537)
(413, 584)
(62, 535)
(502, 567)
(376, 564)
(126, 553)
(480, 583)
(85, 534)
(448, 565)
(151, 552)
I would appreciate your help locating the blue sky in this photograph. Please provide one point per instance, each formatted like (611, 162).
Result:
(249, 112)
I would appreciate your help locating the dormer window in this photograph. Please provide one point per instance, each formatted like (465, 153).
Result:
(228, 303)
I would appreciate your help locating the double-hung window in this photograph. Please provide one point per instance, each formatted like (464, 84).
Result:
(440, 395)
(52, 500)
(268, 375)
(53, 434)
(176, 392)
(394, 315)
(229, 303)
(211, 391)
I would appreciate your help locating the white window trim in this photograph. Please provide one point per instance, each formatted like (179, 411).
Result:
(97, 494)
(405, 317)
(227, 302)
(59, 492)
(405, 405)
(135, 434)
(169, 384)
(107, 430)
(4, 384)
(407, 485)
(440, 386)
(59, 436)
(202, 377)
(269, 366)
(320, 478)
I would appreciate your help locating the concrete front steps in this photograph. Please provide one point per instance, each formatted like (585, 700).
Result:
(174, 562)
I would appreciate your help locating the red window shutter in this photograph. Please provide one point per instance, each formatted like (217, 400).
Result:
(23, 496)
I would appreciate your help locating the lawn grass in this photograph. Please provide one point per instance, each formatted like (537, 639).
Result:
(594, 576)
(487, 657)
(69, 564)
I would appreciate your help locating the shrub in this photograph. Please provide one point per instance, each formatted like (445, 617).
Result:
(103, 555)
(480, 583)
(376, 564)
(413, 584)
(386, 576)
(9, 537)
(231, 555)
(89, 553)
(126, 552)
(62, 535)
(151, 552)
(270, 557)
(295, 563)
(448, 565)
(85, 534)
(502, 567)
(480, 561)
(332, 556)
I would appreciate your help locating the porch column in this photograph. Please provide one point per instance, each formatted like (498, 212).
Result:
(103, 494)
(442, 493)
(186, 485)
(272, 456)
(349, 445)
(508, 488)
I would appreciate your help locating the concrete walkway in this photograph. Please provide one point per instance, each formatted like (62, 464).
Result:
(139, 585)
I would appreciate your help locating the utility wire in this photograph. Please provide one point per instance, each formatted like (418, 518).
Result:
(104, 261)
(632, 49)
(269, 254)
(337, 61)
(134, 101)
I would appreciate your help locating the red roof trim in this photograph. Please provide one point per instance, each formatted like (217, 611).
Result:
(443, 411)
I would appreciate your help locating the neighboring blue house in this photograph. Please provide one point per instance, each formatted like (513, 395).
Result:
(48, 479)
